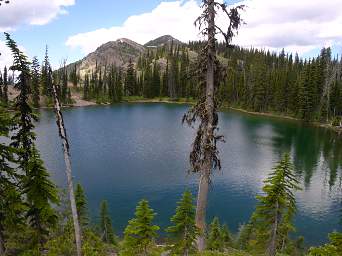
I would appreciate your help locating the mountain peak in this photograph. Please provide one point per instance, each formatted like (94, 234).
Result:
(162, 40)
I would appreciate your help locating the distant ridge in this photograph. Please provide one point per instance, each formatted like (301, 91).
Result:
(118, 53)
(161, 41)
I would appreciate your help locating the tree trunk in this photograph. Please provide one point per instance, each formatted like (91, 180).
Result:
(62, 134)
(202, 197)
(272, 249)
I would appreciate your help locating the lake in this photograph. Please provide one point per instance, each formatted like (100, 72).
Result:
(127, 152)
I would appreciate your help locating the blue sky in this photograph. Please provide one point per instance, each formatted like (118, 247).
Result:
(73, 28)
(85, 15)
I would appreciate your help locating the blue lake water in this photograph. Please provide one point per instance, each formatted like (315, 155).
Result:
(127, 152)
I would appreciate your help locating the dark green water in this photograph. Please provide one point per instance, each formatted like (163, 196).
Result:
(127, 152)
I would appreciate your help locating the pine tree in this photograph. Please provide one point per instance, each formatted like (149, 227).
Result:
(1, 85)
(130, 81)
(41, 193)
(81, 205)
(11, 206)
(276, 209)
(140, 233)
(244, 235)
(106, 227)
(215, 240)
(35, 82)
(184, 230)
(46, 76)
(155, 85)
(226, 236)
(39, 190)
(147, 84)
(5, 89)
(334, 248)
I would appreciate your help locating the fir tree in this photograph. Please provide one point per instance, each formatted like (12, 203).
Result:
(11, 206)
(334, 248)
(41, 193)
(35, 82)
(215, 240)
(184, 230)
(1, 84)
(5, 88)
(106, 227)
(46, 75)
(81, 205)
(39, 190)
(155, 85)
(226, 236)
(140, 233)
(130, 81)
(276, 209)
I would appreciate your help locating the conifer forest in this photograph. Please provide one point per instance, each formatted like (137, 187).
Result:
(218, 89)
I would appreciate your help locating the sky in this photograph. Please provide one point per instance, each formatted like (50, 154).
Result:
(73, 28)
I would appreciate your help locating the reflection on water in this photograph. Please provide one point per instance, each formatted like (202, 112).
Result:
(132, 151)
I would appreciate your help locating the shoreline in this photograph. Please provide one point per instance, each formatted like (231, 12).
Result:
(268, 114)
(79, 102)
(336, 129)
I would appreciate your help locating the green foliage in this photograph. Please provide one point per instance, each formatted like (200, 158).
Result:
(276, 208)
(106, 227)
(81, 205)
(140, 233)
(244, 236)
(184, 231)
(226, 236)
(40, 194)
(215, 239)
(130, 80)
(35, 82)
(38, 191)
(334, 248)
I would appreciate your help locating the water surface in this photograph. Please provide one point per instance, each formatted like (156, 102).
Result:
(127, 152)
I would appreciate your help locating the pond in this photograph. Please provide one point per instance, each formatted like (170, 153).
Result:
(127, 152)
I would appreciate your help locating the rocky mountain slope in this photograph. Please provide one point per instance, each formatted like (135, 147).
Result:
(117, 53)
(161, 41)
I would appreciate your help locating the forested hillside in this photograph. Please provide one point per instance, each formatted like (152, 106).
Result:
(256, 80)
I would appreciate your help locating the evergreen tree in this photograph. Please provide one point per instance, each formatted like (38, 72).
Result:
(46, 76)
(226, 236)
(244, 235)
(130, 81)
(106, 227)
(41, 193)
(334, 248)
(35, 82)
(140, 233)
(215, 240)
(39, 190)
(276, 209)
(155, 86)
(184, 230)
(81, 205)
(11, 206)
(1, 84)
(5, 87)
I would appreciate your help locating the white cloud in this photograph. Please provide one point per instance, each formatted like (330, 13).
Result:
(175, 18)
(6, 55)
(296, 25)
(31, 12)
